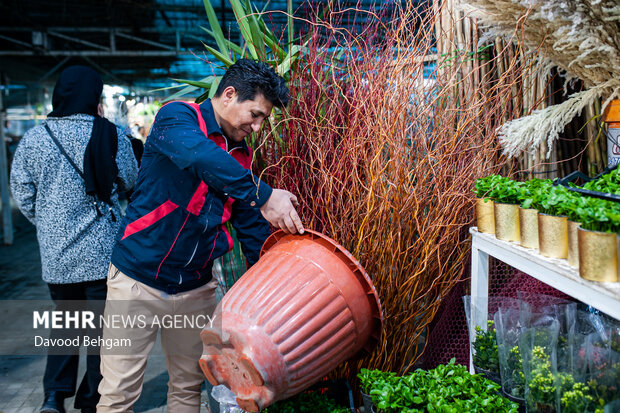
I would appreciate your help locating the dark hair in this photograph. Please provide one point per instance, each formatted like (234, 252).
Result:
(250, 77)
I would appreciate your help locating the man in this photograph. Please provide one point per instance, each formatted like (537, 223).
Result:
(194, 177)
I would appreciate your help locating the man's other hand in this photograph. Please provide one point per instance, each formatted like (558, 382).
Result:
(280, 211)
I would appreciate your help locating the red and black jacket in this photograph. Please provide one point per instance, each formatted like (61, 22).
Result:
(192, 180)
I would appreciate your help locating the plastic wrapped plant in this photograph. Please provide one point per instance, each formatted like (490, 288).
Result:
(486, 357)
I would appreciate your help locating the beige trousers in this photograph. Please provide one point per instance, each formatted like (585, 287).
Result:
(123, 370)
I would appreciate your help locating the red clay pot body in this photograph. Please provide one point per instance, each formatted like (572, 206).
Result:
(305, 307)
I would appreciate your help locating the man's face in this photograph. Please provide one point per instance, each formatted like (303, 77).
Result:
(240, 119)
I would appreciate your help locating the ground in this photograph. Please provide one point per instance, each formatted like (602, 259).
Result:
(21, 377)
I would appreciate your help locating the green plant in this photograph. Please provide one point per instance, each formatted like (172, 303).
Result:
(447, 388)
(517, 378)
(485, 185)
(531, 189)
(549, 199)
(598, 214)
(608, 183)
(578, 398)
(541, 386)
(504, 190)
(259, 43)
(485, 348)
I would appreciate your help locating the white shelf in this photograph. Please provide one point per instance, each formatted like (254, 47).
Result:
(554, 272)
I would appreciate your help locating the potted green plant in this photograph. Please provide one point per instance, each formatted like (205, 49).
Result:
(485, 354)
(528, 216)
(371, 378)
(597, 239)
(541, 385)
(513, 386)
(552, 225)
(485, 218)
(505, 194)
(446, 388)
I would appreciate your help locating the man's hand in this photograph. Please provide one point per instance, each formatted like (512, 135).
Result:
(280, 211)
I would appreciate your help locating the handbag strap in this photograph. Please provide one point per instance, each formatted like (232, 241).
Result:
(62, 150)
(66, 155)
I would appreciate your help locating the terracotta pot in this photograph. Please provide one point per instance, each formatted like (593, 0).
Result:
(553, 236)
(485, 219)
(528, 227)
(305, 307)
(598, 255)
(507, 222)
(573, 245)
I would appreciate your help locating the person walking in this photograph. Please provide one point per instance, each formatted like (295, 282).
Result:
(195, 176)
(65, 179)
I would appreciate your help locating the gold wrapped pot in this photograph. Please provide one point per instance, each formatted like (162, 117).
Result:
(485, 219)
(528, 225)
(553, 236)
(573, 245)
(507, 222)
(598, 255)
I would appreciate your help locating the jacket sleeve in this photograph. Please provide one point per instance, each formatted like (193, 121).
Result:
(126, 162)
(176, 135)
(23, 184)
(252, 230)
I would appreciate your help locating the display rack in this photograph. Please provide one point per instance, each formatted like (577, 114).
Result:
(554, 272)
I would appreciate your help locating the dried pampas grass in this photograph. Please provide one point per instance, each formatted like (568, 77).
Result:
(580, 37)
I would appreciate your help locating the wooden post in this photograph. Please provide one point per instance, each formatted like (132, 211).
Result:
(7, 217)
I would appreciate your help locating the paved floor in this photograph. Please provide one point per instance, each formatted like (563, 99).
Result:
(21, 377)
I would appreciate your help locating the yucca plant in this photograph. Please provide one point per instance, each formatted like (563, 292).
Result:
(259, 43)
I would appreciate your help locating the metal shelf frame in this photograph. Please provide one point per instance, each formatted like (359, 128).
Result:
(554, 272)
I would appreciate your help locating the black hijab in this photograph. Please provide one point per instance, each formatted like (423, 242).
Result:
(78, 90)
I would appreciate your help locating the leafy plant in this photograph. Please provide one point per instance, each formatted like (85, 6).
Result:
(447, 388)
(517, 378)
(608, 183)
(485, 348)
(500, 189)
(541, 385)
(259, 43)
(531, 189)
(485, 185)
(598, 214)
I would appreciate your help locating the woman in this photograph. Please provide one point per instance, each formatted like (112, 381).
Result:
(65, 178)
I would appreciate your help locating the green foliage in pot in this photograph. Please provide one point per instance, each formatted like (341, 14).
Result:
(541, 385)
(598, 214)
(448, 388)
(506, 191)
(531, 189)
(486, 355)
(549, 199)
(517, 378)
(608, 183)
(578, 397)
(485, 185)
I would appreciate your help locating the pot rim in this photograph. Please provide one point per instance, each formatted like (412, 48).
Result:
(597, 232)
(555, 216)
